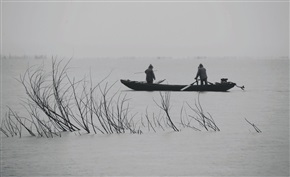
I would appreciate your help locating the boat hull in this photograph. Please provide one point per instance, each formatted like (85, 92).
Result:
(142, 86)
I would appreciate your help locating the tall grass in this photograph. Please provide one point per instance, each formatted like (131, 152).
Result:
(58, 103)
(204, 119)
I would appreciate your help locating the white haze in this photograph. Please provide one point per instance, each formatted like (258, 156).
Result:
(93, 29)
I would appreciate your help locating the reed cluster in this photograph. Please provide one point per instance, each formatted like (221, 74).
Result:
(57, 103)
(205, 120)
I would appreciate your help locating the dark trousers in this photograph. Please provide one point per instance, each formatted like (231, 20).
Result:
(203, 81)
(149, 81)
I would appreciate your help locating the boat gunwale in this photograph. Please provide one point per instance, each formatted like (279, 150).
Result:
(136, 85)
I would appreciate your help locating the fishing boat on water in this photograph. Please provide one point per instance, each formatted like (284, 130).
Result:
(222, 86)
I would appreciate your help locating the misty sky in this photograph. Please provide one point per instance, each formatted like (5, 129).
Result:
(94, 29)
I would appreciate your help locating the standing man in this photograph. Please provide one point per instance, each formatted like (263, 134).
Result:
(201, 73)
(150, 74)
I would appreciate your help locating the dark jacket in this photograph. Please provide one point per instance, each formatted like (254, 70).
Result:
(201, 73)
(149, 75)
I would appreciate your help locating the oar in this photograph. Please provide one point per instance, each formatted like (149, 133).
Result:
(159, 82)
(188, 85)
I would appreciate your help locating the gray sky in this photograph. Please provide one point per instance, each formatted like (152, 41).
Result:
(93, 29)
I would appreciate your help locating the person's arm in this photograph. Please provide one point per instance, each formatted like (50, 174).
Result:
(197, 74)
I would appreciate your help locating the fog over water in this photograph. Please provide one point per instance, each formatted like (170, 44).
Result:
(236, 150)
(244, 41)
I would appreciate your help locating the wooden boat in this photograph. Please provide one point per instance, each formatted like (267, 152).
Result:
(143, 86)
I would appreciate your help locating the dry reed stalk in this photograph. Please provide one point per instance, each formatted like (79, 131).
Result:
(254, 126)
(165, 106)
(207, 122)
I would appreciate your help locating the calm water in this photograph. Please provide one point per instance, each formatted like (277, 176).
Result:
(237, 150)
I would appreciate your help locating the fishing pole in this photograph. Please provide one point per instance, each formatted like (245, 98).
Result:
(143, 72)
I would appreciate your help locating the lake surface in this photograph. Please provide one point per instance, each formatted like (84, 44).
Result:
(236, 150)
